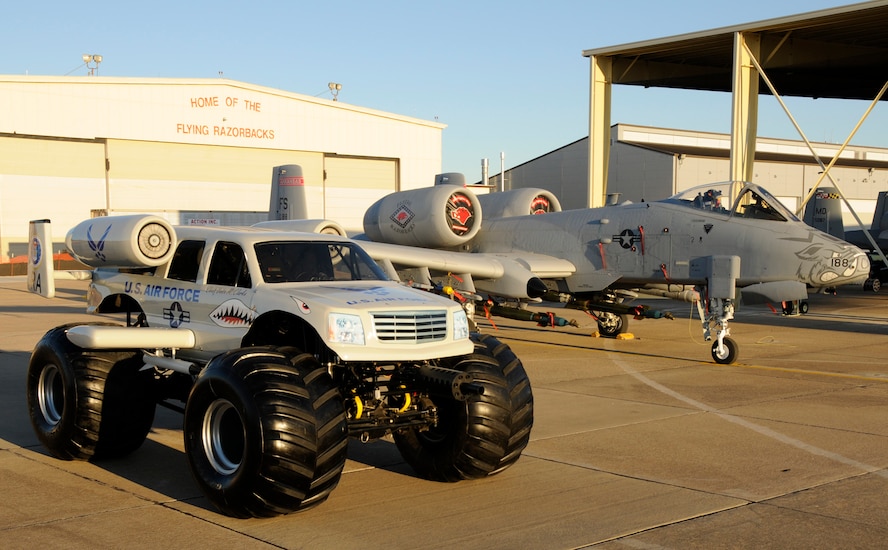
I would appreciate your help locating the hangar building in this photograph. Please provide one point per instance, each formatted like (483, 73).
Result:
(647, 163)
(192, 150)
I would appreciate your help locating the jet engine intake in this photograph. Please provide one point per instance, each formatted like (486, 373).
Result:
(431, 217)
(518, 202)
(138, 240)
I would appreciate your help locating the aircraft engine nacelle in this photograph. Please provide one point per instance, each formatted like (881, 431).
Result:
(328, 227)
(122, 241)
(432, 217)
(519, 202)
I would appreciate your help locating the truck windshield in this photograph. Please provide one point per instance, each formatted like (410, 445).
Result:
(293, 262)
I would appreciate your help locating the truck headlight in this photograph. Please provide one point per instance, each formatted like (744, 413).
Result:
(460, 325)
(345, 329)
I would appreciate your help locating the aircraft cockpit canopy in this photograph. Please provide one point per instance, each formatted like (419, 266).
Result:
(752, 201)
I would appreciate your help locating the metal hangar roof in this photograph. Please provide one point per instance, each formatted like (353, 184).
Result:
(833, 53)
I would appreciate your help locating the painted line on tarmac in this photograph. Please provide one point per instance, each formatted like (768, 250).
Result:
(810, 372)
(790, 370)
(762, 430)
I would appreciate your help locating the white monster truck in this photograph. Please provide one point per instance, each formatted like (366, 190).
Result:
(280, 345)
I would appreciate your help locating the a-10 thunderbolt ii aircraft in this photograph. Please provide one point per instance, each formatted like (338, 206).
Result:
(711, 244)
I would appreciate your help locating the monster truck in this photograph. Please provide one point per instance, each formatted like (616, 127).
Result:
(277, 346)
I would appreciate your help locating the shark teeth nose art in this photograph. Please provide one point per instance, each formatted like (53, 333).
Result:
(232, 313)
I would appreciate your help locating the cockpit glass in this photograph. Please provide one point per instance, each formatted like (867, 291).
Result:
(712, 198)
(754, 205)
(752, 201)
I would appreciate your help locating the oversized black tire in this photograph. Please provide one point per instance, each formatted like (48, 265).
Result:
(730, 353)
(88, 404)
(265, 432)
(484, 434)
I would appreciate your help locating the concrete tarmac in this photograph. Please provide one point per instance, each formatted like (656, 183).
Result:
(642, 443)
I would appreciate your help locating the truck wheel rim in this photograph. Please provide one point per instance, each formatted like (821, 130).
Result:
(51, 394)
(223, 437)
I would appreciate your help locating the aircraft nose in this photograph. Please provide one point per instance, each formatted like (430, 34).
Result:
(862, 271)
(858, 268)
(836, 265)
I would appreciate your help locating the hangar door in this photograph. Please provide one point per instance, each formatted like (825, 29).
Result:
(174, 177)
(352, 184)
(58, 179)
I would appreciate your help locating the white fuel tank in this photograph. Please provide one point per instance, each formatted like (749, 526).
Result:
(431, 217)
(138, 240)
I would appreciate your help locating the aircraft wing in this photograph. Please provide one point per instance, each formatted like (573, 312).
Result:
(541, 265)
(507, 274)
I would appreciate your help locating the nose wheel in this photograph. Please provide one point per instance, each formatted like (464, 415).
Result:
(726, 353)
(715, 320)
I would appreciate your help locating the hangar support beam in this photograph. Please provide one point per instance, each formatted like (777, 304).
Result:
(601, 76)
(744, 105)
(839, 52)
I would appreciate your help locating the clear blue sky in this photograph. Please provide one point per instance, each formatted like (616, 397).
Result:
(503, 75)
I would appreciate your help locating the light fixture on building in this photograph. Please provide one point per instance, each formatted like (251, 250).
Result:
(334, 89)
(92, 58)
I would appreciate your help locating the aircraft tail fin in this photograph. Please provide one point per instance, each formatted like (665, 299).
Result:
(878, 230)
(824, 212)
(880, 216)
(41, 276)
(288, 201)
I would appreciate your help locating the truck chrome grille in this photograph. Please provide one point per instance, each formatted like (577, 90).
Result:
(405, 327)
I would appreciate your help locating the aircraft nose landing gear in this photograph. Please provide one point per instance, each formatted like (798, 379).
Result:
(721, 274)
(727, 352)
(724, 349)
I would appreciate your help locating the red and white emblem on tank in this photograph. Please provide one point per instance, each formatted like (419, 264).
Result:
(402, 216)
(460, 213)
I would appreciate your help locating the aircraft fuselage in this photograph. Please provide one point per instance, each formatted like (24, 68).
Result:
(661, 241)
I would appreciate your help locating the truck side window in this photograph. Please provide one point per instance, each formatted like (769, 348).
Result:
(186, 261)
(229, 266)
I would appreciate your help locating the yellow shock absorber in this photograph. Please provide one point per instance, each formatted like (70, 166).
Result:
(360, 406)
(406, 403)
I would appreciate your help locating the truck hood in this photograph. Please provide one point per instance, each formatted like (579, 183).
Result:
(361, 295)
(369, 300)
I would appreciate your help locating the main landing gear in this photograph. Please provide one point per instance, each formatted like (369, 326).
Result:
(795, 307)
